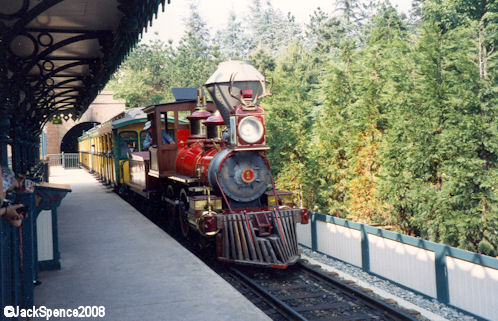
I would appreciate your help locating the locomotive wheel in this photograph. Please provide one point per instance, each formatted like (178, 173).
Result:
(182, 215)
(171, 210)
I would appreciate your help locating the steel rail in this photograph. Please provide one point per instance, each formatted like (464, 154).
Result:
(275, 300)
(345, 290)
(393, 312)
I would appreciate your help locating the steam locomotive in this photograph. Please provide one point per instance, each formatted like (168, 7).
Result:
(215, 178)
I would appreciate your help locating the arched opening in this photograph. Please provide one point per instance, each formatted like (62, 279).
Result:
(69, 142)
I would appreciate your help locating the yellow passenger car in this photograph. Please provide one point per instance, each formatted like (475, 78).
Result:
(104, 149)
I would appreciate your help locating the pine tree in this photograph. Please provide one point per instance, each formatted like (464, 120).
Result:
(324, 34)
(271, 30)
(289, 120)
(233, 40)
(440, 159)
(145, 77)
(195, 59)
(469, 171)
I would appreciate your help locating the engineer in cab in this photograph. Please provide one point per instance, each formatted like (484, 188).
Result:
(166, 139)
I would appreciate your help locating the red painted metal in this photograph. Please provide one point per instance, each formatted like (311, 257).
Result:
(248, 175)
(305, 216)
(240, 114)
(246, 93)
(199, 115)
(182, 135)
(195, 158)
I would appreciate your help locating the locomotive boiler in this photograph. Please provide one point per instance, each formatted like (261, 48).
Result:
(215, 178)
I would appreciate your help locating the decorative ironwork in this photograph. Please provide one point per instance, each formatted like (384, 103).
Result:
(39, 80)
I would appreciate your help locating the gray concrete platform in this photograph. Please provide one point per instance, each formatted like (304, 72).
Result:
(112, 256)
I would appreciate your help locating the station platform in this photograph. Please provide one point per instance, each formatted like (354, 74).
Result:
(113, 256)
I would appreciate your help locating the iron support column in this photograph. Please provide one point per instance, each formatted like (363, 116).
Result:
(16, 151)
(29, 156)
(23, 152)
(34, 148)
(4, 137)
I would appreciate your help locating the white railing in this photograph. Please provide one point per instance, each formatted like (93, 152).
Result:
(462, 279)
(66, 160)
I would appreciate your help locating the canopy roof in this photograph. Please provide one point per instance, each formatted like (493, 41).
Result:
(55, 55)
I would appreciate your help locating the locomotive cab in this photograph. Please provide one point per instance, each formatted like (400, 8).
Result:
(163, 156)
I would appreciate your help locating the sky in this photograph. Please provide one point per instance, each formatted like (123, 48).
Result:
(170, 23)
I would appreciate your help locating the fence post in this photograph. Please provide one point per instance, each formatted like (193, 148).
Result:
(314, 238)
(442, 287)
(63, 160)
(365, 251)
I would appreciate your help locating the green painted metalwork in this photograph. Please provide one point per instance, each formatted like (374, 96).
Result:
(414, 241)
(50, 199)
(314, 233)
(441, 251)
(115, 151)
(365, 249)
(4, 138)
(36, 87)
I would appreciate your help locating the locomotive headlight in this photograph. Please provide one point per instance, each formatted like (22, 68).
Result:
(250, 129)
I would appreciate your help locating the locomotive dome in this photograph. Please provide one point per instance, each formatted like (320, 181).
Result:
(245, 76)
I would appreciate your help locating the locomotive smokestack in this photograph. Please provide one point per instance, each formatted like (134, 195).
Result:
(245, 76)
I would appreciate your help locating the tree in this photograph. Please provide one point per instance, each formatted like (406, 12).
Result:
(271, 30)
(233, 40)
(145, 77)
(151, 70)
(289, 120)
(324, 34)
(195, 59)
(359, 89)
(440, 167)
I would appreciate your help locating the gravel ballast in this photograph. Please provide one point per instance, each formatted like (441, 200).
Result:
(429, 308)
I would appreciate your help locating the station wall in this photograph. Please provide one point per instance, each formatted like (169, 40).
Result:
(102, 108)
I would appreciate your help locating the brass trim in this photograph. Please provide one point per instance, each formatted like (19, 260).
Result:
(201, 219)
(182, 179)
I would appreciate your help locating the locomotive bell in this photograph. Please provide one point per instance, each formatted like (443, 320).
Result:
(245, 76)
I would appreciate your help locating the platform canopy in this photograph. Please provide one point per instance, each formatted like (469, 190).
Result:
(55, 55)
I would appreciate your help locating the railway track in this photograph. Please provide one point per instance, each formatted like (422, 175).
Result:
(302, 292)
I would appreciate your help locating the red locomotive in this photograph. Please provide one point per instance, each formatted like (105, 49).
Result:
(215, 178)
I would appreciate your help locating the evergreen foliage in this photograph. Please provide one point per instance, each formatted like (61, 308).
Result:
(151, 70)
(145, 77)
(289, 120)
(233, 40)
(271, 30)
